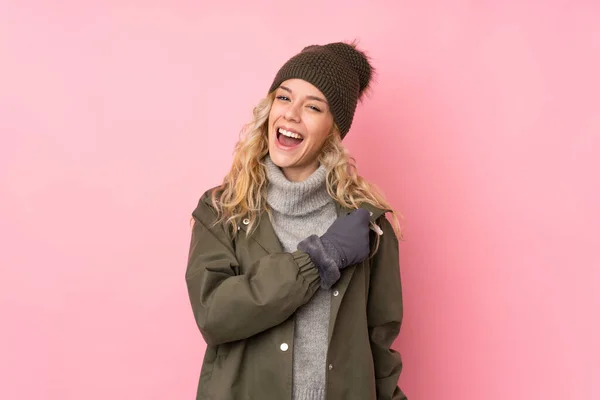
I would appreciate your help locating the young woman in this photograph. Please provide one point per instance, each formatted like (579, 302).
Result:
(293, 271)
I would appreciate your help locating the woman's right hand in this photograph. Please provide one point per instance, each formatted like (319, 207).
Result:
(345, 242)
(348, 236)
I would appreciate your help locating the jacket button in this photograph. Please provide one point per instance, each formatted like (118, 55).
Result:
(336, 293)
(246, 221)
(284, 346)
(330, 367)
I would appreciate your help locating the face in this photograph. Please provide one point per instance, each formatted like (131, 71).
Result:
(299, 123)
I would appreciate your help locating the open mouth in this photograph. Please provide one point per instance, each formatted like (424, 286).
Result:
(288, 138)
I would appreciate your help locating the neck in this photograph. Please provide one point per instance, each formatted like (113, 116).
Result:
(296, 197)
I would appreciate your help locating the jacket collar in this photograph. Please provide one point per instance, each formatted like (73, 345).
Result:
(264, 234)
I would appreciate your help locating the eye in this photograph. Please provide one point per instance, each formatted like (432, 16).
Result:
(315, 108)
(282, 98)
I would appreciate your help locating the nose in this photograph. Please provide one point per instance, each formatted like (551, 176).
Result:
(292, 113)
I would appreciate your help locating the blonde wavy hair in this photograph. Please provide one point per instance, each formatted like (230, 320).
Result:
(243, 190)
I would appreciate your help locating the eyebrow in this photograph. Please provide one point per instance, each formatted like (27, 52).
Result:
(308, 97)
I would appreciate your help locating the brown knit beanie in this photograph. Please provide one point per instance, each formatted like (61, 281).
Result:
(339, 70)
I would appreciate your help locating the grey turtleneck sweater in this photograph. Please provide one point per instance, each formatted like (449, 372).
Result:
(299, 210)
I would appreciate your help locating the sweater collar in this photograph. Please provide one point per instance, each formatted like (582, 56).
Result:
(296, 198)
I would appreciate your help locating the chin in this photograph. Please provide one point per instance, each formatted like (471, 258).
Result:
(281, 160)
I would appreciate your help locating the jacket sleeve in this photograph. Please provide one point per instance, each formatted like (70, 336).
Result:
(229, 305)
(384, 314)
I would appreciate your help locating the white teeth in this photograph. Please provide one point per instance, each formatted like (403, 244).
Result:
(289, 134)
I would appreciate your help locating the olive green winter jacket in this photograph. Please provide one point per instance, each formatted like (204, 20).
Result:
(244, 293)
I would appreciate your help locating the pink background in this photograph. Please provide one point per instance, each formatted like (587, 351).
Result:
(483, 129)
